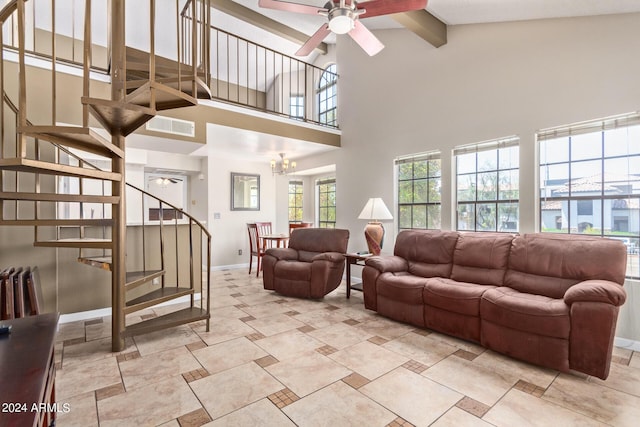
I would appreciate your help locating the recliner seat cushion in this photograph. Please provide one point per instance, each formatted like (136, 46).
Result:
(401, 287)
(458, 297)
(293, 270)
(536, 314)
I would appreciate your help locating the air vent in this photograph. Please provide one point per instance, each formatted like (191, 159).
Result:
(172, 126)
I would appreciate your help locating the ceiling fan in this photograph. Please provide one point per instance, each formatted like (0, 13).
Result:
(344, 18)
(164, 180)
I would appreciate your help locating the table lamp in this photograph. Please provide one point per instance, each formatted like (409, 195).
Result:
(375, 210)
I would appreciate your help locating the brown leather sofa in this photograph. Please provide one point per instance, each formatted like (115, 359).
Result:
(548, 299)
(310, 267)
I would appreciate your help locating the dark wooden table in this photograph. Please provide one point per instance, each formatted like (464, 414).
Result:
(27, 372)
(354, 259)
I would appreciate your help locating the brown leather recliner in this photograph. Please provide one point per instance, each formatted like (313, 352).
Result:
(310, 267)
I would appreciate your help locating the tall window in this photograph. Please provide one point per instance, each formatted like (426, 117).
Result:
(327, 203)
(590, 181)
(327, 96)
(295, 202)
(487, 186)
(419, 197)
(296, 106)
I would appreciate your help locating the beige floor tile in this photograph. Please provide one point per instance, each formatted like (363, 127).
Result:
(276, 324)
(458, 343)
(259, 297)
(521, 409)
(155, 342)
(423, 349)
(594, 400)
(92, 350)
(82, 411)
(537, 375)
(622, 378)
(70, 331)
(456, 417)
(341, 406)
(635, 360)
(307, 373)
(385, 328)
(369, 360)
(321, 318)
(224, 330)
(229, 354)
(143, 371)
(224, 301)
(262, 413)
(265, 310)
(80, 378)
(288, 344)
(234, 388)
(488, 384)
(413, 397)
(227, 313)
(151, 405)
(340, 335)
(303, 305)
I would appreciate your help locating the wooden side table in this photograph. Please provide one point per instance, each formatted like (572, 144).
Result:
(354, 259)
(27, 372)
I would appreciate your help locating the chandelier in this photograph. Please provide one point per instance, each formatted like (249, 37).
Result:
(283, 166)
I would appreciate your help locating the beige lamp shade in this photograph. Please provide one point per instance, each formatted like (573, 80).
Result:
(375, 210)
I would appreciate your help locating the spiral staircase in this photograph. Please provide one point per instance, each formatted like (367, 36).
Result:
(37, 153)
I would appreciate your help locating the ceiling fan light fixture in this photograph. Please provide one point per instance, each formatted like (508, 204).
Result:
(341, 21)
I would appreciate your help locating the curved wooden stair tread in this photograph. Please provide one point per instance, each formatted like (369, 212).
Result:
(38, 166)
(156, 297)
(133, 279)
(88, 243)
(58, 197)
(170, 320)
(116, 116)
(102, 222)
(166, 97)
(82, 138)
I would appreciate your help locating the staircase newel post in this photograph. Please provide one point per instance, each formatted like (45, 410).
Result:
(118, 237)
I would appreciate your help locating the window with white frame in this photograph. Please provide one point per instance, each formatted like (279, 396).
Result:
(487, 185)
(590, 181)
(419, 191)
(295, 202)
(326, 203)
(328, 96)
(296, 106)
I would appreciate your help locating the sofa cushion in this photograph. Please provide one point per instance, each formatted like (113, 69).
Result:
(429, 253)
(520, 311)
(549, 264)
(293, 270)
(402, 287)
(481, 258)
(458, 297)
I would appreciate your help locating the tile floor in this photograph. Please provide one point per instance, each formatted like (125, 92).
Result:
(269, 360)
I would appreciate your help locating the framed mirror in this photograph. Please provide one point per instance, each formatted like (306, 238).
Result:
(245, 192)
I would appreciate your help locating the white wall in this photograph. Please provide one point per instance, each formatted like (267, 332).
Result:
(229, 232)
(488, 81)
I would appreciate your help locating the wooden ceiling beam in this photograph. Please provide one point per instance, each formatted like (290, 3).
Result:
(424, 25)
(244, 13)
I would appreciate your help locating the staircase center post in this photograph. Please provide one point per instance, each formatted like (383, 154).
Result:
(118, 93)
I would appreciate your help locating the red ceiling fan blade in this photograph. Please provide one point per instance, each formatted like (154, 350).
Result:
(387, 7)
(366, 39)
(289, 7)
(314, 41)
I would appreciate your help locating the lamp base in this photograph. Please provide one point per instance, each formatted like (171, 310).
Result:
(374, 234)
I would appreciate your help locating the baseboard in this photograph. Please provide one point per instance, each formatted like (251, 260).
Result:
(227, 267)
(627, 344)
(103, 312)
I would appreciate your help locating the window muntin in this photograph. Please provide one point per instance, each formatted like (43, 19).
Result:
(590, 182)
(487, 186)
(327, 96)
(419, 191)
(296, 106)
(327, 203)
(295, 202)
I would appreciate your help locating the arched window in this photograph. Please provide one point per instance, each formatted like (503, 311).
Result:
(327, 96)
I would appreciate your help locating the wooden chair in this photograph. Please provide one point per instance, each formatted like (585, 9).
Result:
(256, 245)
(299, 225)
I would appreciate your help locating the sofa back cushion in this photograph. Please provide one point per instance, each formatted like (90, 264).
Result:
(310, 242)
(429, 253)
(481, 258)
(549, 264)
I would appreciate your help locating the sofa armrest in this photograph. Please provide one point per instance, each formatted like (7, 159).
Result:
(596, 291)
(286, 254)
(388, 264)
(328, 256)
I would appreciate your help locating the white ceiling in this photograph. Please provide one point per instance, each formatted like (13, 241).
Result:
(245, 144)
